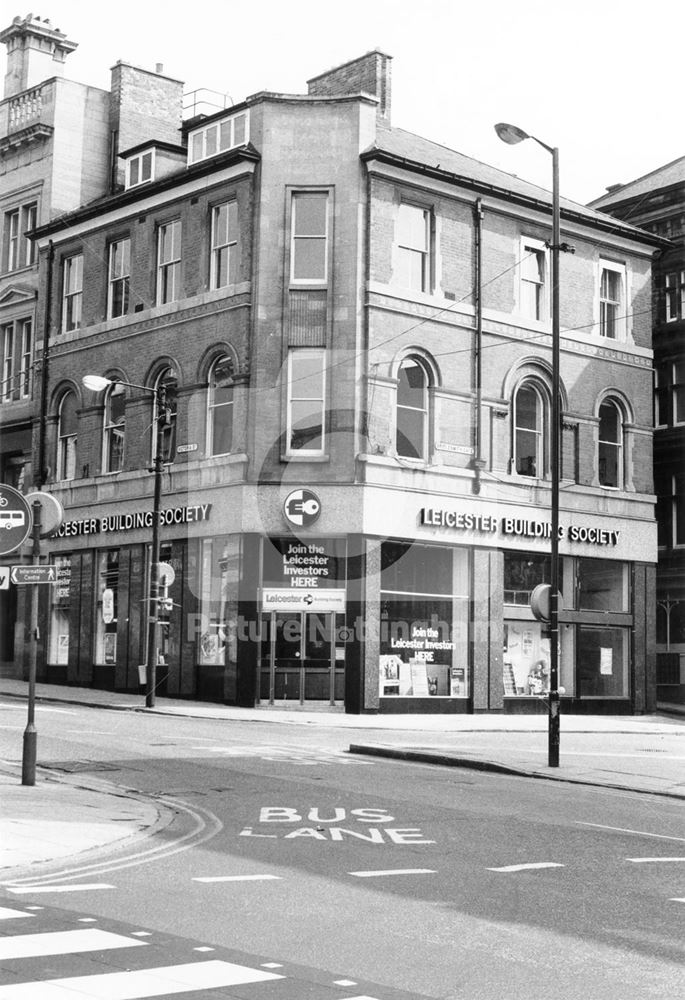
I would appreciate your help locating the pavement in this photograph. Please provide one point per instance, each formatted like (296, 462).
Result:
(62, 817)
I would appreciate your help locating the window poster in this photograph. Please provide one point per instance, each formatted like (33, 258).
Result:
(606, 660)
(110, 647)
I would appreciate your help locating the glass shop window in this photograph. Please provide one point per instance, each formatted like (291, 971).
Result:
(106, 611)
(603, 585)
(424, 648)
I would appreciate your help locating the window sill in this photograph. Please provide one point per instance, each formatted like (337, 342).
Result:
(305, 458)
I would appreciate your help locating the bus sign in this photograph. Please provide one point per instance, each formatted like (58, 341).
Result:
(15, 519)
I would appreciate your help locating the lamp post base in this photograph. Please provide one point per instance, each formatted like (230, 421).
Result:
(553, 732)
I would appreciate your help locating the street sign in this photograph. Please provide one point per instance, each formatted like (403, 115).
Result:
(165, 574)
(540, 601)
(33, 574)
(51, 512)
(15, 519)
(4, 577)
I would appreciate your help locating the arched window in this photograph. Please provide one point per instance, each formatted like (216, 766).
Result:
(412, 410)
(220, 407)
(67, 427)
(167, 378)
(529, 431)
(114, 426)
(610, 456)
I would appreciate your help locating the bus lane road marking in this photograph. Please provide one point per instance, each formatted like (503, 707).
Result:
(324, 825)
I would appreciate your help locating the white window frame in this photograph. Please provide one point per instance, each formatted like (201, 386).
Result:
(72, 293)
(169, 269)
(620, 305)
(534, 253)
(539, 431)
(12, 227)
(110, 427)
(8, 337)
(677, 501)
(671, 297)
(142, 166)
(224, 243)
(25, 353)
(119, 276)
(423, 410)
(213, 408)
(297, 238)
(678, 393)
(219, 136)
(661, 394)
(17, 359)
(168, 377)
(292, 398)
(406, 250)
(66, 443)
(617, 446)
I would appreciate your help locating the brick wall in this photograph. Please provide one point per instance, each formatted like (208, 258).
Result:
(370, 74)
(144, 106)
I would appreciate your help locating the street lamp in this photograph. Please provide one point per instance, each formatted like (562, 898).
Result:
(512, 135)
(97, 383)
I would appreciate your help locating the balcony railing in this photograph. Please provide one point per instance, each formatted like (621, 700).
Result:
(25, 109)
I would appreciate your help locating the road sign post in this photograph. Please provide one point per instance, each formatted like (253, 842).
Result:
(28, 765)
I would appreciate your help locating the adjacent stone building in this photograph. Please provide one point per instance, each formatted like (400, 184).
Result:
(59, 141)
(656, 202)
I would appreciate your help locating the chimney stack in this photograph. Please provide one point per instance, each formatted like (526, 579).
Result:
(369, 74)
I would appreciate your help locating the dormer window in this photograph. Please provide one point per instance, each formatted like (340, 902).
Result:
(220, 136)
(139, 169)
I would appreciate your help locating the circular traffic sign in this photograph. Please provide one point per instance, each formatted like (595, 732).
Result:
(165, 574)
(51, 512)
(540, 600)
(15, 519)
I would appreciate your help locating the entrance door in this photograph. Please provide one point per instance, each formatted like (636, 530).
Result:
(300, 659)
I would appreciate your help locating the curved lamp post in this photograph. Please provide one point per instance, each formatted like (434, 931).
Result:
(97, 383)
(512, 134)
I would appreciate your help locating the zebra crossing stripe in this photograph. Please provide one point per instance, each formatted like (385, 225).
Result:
(6, 913)
(32, 889)
(160, 982)
(63, 943)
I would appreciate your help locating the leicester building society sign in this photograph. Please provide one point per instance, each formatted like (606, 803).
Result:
(519, 527)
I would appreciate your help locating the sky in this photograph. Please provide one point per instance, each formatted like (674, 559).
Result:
(599, 79)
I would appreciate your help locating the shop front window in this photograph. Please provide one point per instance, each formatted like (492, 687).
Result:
(218, 600)
(424, 648)
(522, 574)
(107, 590)
(526, 659)
(60, 610)
(603, 662)
(603, 585)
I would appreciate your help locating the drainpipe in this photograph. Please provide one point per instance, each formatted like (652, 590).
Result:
(40, 475)
(478, 463)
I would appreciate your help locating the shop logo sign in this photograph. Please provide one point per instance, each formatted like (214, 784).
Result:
(302, 508)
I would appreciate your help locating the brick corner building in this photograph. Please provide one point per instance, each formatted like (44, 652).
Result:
(352, 326)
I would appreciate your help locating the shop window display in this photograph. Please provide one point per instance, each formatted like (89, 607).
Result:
(218, 600)
(424, 622)
(58, 640)
(526, 659)
(106, 611)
